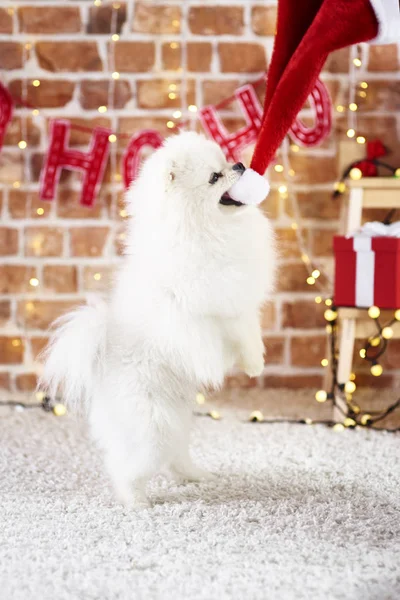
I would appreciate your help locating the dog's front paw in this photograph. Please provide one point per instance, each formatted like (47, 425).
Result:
(253, 368)
(191, 473)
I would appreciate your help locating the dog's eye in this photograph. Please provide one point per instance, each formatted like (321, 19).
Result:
(214, 177)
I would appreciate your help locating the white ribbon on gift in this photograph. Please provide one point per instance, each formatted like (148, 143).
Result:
(365, 258)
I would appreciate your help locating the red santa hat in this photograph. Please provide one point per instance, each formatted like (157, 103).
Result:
(307, 32)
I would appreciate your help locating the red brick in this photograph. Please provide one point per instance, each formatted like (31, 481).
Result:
(100, 19)
(52, 19)
(154, 94)
(383, 58)
(43, 241)
(263, 20)
(26, 382)
(132, 125)
(50, 94)
(5, 383)
(307, 351)
(69, 207)
(268, 316)
(242, 58)
(134, 57)
(317, 205)
(271, 205)
(216, 20)
(88, 241)
(156, 19)
(240, 380)
(338, 61)
(15, 279)
(391, 357)
(38, 344)
(60, 278)
(381, 96)
(199, 57)
(10, 55)
(370, 381)
(292, 278)
(83, 138)
(287, 243)
(39, 314)
(97, 278)
(11, 166)
(322, 242)
(5, 311)
(215, 91)
(302, 314)
(8, 241)
(293, 382)
(11, 350)
(313, 169)
(6, 21)
(14, 132)
(274, 350)
(68, 56)
(94, 93)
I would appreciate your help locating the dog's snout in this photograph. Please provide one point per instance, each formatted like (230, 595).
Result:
(239, 167)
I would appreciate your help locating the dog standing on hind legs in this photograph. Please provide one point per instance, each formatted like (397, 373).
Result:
(183, 310)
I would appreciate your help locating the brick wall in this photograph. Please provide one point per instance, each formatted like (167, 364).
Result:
(52, 254)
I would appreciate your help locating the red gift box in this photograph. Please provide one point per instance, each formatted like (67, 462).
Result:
(367, 271)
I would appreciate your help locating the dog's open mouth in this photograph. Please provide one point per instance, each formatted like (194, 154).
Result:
(226, 200)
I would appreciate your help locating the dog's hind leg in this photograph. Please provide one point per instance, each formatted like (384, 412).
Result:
(129, 481)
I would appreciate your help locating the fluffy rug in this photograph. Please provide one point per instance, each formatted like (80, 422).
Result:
(297, 512)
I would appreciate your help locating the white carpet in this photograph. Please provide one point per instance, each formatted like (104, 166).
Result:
(298, 512)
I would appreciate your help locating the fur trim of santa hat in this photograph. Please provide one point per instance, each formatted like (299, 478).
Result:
(388, 15)
(251, 188)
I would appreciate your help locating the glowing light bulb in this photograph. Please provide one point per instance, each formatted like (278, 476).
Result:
(357, 62)
(40, 211)
(102, 109)
(310, 280)
(324, 362)
(363, 353)
(214, 414)
(365, 419)
(112, 138)
(172, 87)
(355, 174)
(170, 124)
(16, 343)
(350, 387)
(387, 333)
(35, 112)
(192, 108)
(340, 187)
(115, 37)
(174, 45)
(397, 173)
(292, 172)
(397, 314)
(172, 95)
(200, 398)
(177, 114)
(362, 94)
(115, 75)
(374, 342)
(349, 422)
(374, 312)
(364, 85)
(175, 23)
(330, 315)
(353, 106)
(34, 282)
(257, 415)
(282, 189)
(294, 148)
(294, 226)
(97, 2)
(318, 299)
(338, 427)
(321, 396)
(59, 410)
(350, 133)
(278, 168)
(340, 108)
(360, 139)
(376, 370)
(328, 302)
(22, 144)
(36, 83)
(316, 273)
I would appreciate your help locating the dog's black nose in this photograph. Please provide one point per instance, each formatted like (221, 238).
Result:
(239, 167)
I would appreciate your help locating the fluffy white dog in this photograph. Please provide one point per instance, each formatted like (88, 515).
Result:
(183, 311)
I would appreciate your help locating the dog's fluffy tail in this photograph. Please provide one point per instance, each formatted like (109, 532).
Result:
(74, 355)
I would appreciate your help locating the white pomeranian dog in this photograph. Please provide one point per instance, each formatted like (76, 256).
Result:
(184, 309)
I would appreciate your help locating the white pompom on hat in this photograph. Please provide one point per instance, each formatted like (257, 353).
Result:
(251, 188)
